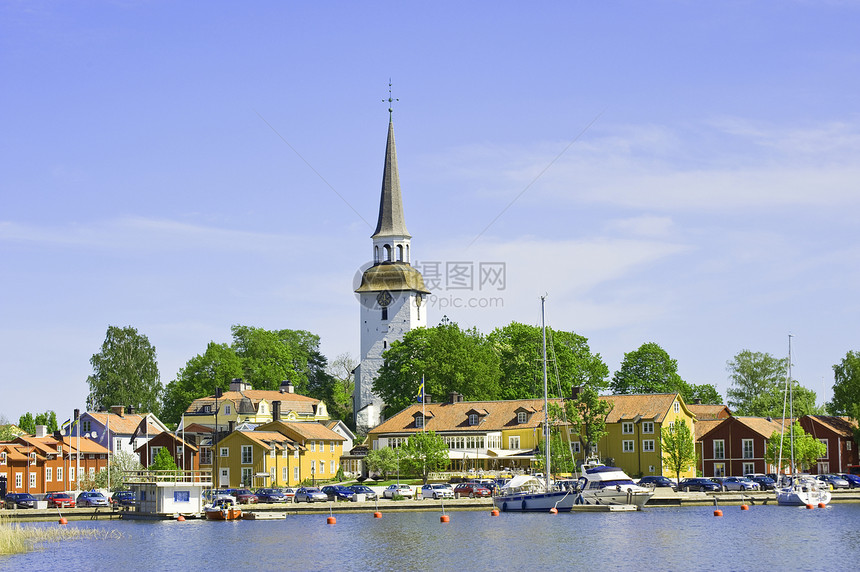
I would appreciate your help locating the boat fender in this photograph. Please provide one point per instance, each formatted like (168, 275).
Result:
(505, 506)
(524, 505)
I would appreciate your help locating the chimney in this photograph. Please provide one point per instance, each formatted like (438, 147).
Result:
(238, 385)
(456, 397)
(276, 411)
(118, 410)
(130, 409)
(287, 386)
(41, 431)
(230, 425)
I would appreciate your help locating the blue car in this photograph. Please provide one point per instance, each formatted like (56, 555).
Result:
(699, 484)
(270, 495)
(91, 498)
(853, 480)
(20, 500)
(338, 492)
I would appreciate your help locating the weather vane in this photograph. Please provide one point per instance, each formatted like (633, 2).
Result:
(390, 99)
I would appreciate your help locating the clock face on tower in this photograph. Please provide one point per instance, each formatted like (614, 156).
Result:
(384, 299)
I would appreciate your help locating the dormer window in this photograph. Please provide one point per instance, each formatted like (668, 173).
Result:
(419, 421)
(227, 409)
(207, 409)
(32, 458)
(522, 417)
(473, 418)
(3, 458)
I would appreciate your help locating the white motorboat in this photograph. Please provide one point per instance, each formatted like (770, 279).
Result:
(600, 484)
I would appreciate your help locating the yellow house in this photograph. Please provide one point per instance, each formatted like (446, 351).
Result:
(317, 449)
(255, 459)
(254, 406)
(633, 441)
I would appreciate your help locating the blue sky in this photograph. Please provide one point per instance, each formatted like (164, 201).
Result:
(673, 171)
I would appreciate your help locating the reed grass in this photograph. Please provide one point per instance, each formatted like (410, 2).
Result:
(16, 539)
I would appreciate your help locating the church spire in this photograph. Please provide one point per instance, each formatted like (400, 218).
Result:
(391, 220)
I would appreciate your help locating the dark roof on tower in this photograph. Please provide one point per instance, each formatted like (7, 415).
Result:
(391, 220)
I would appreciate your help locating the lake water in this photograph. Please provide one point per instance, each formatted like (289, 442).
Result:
(691, 538)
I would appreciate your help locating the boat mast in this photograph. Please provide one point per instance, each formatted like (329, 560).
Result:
(546, 436)
(790, 407)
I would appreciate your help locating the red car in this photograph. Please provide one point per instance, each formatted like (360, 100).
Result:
(243, 496)
(471, 490)
(61, 500)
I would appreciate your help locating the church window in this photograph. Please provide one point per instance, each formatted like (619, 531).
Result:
(387, 252)
(375, 254)
(399, 253)
(385, 313)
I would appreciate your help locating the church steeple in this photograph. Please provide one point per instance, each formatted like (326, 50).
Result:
(391, 221)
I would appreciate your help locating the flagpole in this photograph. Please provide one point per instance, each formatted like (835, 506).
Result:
(78, 457)
(108, 439)
(423, 406)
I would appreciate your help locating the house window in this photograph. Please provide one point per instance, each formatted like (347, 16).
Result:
(207, 409)
(60, 474)
(205, 455)
(32, 480)
(648, 445)
(227, 409)
(19, 480)
(263, 408)
(49, 474)
(225, 452)
(332, 468)
(473, 418)
(71, 474)
(522, 417)
(677, 407)
(575, 447)
(285, 474)
(825, 442)
(246, 476)
(648, 427)
(627, 428)
(3, 458)
(153, 453)
(748, 450)
(331, 447)
(628, 446)
(247, 456)
(848, 445)
(272, 452)
(85, 426)
(719, 449)
(419, 421)
(313, 445)
(92, 472)
(514, 442)
(322, 467)
(748, 468)
(296, 454)
(719, 469)
(296, 474)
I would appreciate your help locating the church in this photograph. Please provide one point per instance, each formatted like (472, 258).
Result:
(391, 292)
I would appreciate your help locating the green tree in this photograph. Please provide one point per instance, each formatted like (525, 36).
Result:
(121, 462)
(449, 359)
(648, 369)
(201, 375)
(587, 413)
(27, 423)
(383, 461)
(679, 450)
(520, 352)
(271, 356)
(163, 461)
(807, 449)
(757, 384)
(846, 385)
(338, 396)
(125, 372)
(424, 453)
(705, 393)
(6, 431)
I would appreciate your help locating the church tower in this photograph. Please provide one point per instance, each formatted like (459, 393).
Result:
(391, 292)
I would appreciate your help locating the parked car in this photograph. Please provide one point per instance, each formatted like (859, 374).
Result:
(243, 496)
(338, 492)
(122, 498)
(310, 494)
(739, 484)
(719, 481)
(699, 484)
(834, 481)
(270, 495)
(398, 489)
(765, 483)
(365, 490)
(211, 495)
(60, 500)
(853, 480)
(289, 493)
(20, 500)
(658, 481)
(91, 498)
(487, 484)
(437, 491)
(471, 490)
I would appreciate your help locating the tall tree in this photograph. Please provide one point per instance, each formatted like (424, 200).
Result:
(757, 383)
(571, 362)
(587, 412)
(201, 375)
(125, 372)
(448, 358)
(338, 396)
(120, 463)
(383, 461)
(424, 453)
(27, 423)
(846, 385)
(705, 393)
(679, 450)
(649, 369)
(807, 449)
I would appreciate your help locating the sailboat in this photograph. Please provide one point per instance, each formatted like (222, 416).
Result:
(800, 490)
(525, 493)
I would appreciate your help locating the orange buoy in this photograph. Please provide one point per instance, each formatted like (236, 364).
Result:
(180, 518)
(444, 518)
(377, 514)
(745, 507)
(331, 520)
(63, 520)
(822, 505)
(494, 512)
(718, 512)
(553, 510)
(809, 506)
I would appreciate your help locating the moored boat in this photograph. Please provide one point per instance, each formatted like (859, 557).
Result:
(604, 485)
(223, 509)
